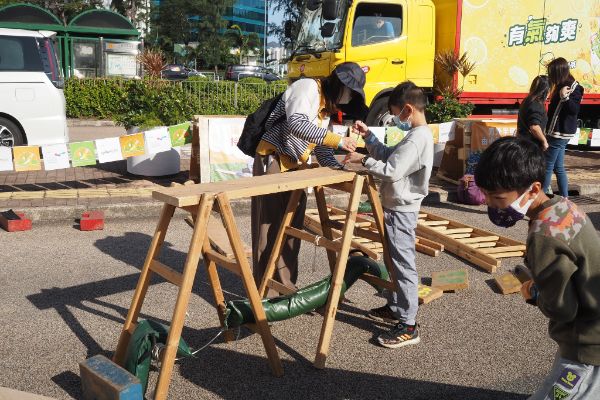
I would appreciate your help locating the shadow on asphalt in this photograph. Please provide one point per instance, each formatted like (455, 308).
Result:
(215, 371)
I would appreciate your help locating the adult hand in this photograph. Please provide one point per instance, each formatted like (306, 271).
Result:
(526, 290)
(545, 145)
(347, 144)
(354, 158)
(361, 128)
(565, 92)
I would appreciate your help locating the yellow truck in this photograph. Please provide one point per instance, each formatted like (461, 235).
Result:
(508, 40)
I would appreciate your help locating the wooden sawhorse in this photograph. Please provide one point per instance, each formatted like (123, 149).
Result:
(199, 200)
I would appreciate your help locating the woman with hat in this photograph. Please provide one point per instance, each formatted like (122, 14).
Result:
(296, 129)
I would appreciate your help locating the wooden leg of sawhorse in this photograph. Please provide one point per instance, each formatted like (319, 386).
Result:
(143, 282)
(373, 195)
(325, 227)
(276, 252)
(249, 284)
(337, 276)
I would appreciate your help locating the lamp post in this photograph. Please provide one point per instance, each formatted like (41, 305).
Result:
(266, 37)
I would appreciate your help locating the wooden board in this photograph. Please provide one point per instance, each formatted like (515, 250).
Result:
(508, 283)
(450, 280)
(427, 294)
(182, 196)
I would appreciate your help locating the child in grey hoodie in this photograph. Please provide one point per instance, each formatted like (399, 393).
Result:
(404, 170)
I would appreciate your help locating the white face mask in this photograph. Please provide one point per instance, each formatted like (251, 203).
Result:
(346, 96)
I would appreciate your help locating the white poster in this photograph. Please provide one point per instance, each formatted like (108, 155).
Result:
(379, 132)
(157, 140)
(574, 141)
(6, 161)
(446, 132)
(595, 142)
(56, 156)
(108, 150)
(226, 160)
(121, 64)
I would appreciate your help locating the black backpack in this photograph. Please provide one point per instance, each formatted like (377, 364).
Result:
(254, 127)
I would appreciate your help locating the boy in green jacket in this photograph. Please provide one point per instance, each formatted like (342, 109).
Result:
(563, 258)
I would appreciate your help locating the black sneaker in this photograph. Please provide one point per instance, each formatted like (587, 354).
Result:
(399, 336)
(383, 314)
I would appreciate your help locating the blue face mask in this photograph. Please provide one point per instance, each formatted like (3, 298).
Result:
(402, 125)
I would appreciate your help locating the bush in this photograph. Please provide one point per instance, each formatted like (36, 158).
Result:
(148, 101)
(446, 108)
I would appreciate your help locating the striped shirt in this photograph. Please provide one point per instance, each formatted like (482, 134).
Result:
(294, 126)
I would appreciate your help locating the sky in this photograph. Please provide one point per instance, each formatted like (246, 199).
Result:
(275, 17)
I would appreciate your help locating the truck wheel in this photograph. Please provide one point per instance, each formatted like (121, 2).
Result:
(379, 114)
(10, 134)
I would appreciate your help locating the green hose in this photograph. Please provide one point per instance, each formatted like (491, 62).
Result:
(239, 312)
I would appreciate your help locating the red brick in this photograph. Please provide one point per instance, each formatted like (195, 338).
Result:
(15, 225)
(92, 221)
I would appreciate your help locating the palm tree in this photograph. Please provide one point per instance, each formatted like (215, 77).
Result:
(244, 43)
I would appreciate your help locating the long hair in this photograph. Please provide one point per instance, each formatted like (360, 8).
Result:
(559, 73)
(332, 89)
(539, 89)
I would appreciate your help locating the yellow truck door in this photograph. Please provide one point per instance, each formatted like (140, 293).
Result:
(376, 40)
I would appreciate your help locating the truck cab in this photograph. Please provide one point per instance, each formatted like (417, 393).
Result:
(376, 34)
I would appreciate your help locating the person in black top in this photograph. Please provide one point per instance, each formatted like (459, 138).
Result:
(563, 110)
(533, 119)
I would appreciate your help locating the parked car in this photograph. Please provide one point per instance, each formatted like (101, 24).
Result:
(178, 72)
(237, 72)
(32, 102)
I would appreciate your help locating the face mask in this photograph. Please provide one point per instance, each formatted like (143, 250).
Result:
(346, 96)
(507, 217)
(402, 125)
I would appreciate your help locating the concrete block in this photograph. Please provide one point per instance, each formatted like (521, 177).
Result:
(92, 221)
(12, 221)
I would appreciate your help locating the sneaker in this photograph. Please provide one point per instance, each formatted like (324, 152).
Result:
(383, 314)
(399, 336)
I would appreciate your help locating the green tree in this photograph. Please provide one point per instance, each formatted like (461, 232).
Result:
(200, 21)
(245, 44)
(137, 11)
(292, 10)
(65, 10)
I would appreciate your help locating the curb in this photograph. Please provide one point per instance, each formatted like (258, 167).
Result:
(71, 123)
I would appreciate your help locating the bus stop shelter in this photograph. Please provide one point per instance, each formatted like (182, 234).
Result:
(95, 43)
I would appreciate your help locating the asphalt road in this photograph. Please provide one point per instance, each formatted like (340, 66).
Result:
(65, 294)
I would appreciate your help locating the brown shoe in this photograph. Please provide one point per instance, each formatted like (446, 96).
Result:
(383, 314)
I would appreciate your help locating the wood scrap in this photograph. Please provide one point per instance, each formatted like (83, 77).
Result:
(427, 294)
(508, 283)
(450, 280)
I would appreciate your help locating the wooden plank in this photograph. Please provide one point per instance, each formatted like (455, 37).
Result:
(427, 294)
(183, 297)
(450, 280)
(508, 254)
(503, 249)
(479, 239)
(435, 223)
(426, 250)
(460, 235)
(430, 243)
(254, 186)
(143, 282)
(482, 245)
(374, 280)
(324, 223)
(317, 241)
(248, 281)
(458, 230)
(166, 272)
(337, 276)
(280, 287)
(229, 264)
(508, 283)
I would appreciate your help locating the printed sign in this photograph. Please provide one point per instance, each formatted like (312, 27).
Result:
(157, 140)
(108, 150)
(27, 158)
(82, 153)
(484, 133)
(181, 134)
(226, 160)
(6, 159)
(132, 145)
(56, 156)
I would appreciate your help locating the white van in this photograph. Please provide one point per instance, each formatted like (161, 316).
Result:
(32, 102)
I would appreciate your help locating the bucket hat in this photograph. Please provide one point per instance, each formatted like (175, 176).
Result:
(352, 76)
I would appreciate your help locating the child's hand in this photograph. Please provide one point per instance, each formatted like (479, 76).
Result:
(353, 158)
(361, 128)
